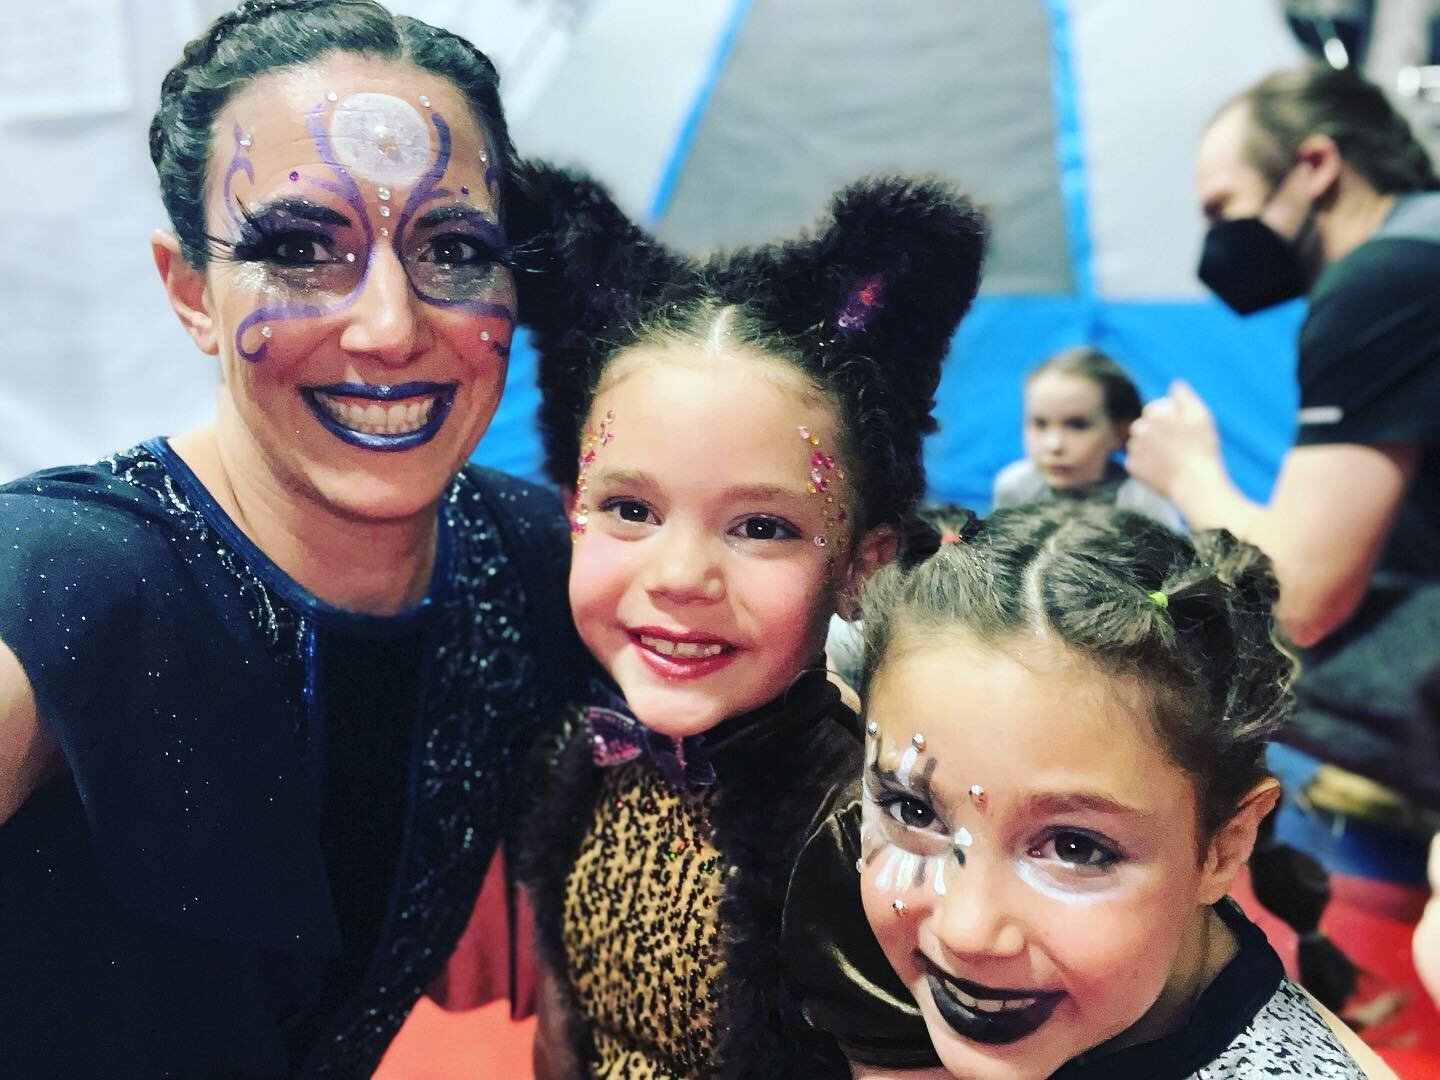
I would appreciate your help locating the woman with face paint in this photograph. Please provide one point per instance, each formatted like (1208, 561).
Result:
(264, 685)
(1066, 716)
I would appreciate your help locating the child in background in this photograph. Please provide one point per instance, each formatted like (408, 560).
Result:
(1066, 718)
(1079, 406)
(742, 439)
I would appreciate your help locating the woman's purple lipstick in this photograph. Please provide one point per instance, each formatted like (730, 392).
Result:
(374, 416)
(986, 1015)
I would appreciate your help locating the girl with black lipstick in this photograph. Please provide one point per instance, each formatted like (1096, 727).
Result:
(742, 439)
(1066, 715)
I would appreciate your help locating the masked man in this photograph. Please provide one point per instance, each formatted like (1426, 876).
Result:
(1314, 185)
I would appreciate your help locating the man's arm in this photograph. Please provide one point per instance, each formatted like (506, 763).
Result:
(1332, 507)
(29, 754)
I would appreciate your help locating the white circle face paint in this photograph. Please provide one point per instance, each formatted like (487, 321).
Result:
(380, 138)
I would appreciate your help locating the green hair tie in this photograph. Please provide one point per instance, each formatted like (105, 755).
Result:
(1160, 600)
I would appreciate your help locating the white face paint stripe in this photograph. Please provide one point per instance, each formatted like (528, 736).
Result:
(939, 876)
(906, 870)
(907, 762)
(887, 871)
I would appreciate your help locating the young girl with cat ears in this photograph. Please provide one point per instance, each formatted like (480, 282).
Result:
(1066, 717)
(741, 439)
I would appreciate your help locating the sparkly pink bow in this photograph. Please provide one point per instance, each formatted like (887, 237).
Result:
(617, 737)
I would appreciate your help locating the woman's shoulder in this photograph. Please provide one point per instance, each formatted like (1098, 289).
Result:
(67, 530)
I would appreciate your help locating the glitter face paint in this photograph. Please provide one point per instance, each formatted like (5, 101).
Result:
(823, 474)
(381, 138)
(694, 580)
(1041, 850)
(595, 437)
(449, 255)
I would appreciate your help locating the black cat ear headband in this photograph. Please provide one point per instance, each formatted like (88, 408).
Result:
(886, 277)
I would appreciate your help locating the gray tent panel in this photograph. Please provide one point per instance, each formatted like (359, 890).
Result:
(818, 92)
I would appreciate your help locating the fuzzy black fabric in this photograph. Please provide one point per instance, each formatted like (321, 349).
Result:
(564, 782)
(584, 274)
(869, 299)
(778, 771)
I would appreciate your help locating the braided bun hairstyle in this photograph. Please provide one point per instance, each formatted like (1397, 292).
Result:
(864, 307)
(261, 36)
(1192, 618)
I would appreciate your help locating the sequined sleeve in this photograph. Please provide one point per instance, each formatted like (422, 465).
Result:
(846, 986)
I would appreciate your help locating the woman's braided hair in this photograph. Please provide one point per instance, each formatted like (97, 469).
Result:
(260, 36)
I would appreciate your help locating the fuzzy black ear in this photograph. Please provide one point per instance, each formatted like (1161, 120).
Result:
(889, 276)
(580, 262)
(583, 272)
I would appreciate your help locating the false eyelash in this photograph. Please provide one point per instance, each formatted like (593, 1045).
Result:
(254, 240)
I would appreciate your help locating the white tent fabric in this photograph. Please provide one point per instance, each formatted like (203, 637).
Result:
(719, 120)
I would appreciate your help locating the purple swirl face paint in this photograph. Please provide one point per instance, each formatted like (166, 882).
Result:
(382, 139)
(301, 253)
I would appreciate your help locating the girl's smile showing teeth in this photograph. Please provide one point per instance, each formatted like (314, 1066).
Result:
(685, 650)
(682, 656)
(987, 1015)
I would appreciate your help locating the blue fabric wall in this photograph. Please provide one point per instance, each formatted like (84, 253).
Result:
(1242, 367)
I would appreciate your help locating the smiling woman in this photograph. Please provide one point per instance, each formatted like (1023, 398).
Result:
(263, 685)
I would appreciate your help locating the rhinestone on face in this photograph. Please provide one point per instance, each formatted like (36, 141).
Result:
(332, 96)
(977, 794)
(265, 331)
(384, 231)
(294, 175)
(424, 101)
(384, 193)
(350, 256)
(918, 741)
(899, 906)
(872, 728)
(484, 335)
(245, 140)
(464, 190)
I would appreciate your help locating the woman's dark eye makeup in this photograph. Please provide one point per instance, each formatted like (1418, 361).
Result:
(458, 249)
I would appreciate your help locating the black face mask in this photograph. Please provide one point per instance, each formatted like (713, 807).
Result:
(1249, 266)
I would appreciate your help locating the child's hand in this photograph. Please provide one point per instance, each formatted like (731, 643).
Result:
(1173, 442)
